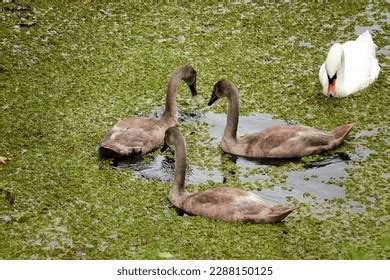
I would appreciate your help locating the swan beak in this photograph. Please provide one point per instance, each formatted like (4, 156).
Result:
(193, 89)
(213, 98)
(332, 88)
(164, 147)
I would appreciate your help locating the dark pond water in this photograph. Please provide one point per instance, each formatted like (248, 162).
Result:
(162, 168)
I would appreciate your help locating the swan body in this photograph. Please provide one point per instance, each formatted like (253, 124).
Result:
(139, 135)
(349, 67)
(225, 204)
(282, 141)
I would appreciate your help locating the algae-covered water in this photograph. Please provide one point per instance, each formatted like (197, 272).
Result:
(69, 71)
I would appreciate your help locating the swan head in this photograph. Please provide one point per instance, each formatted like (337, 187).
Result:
(332, 65)
(172, 136)
(221, 89)
(189, 76)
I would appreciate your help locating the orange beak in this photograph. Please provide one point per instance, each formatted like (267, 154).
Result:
(332, 88)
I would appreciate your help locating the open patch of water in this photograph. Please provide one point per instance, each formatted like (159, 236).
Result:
(367, 133)
(162, 168)
(373, 28)
(313, 183)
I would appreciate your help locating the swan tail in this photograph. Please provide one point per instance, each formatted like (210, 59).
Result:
(366, 36)
(367, 41)
(375, 69)
(278, 213)
(342, 131)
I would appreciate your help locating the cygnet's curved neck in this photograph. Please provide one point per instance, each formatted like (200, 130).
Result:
(233, 113)
(180, 166)
(170, 100)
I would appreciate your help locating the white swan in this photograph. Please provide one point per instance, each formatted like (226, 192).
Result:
(349, 67)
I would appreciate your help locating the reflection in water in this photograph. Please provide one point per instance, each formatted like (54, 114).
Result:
(162, 168)
(317, 182)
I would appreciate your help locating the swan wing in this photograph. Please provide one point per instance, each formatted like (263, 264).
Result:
(134, 135)
(225, 199)
(287, 141)
(271, 138)
(228, 204)
(361, 65)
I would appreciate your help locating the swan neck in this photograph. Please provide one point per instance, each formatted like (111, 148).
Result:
(170, 100)
(233, 113)
(180, 167)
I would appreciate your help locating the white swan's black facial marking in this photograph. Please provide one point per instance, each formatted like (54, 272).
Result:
(332, 85)
(330, 80)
